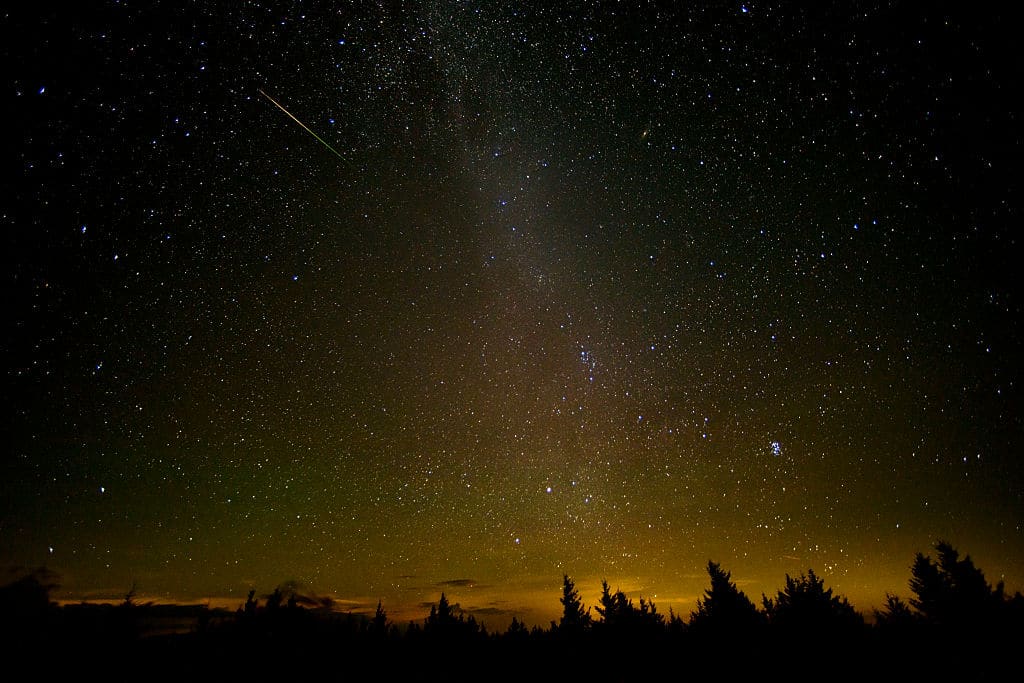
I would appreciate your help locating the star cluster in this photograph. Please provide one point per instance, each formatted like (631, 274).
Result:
(607, 289)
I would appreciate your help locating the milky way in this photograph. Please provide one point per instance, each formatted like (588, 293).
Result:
(609, 290)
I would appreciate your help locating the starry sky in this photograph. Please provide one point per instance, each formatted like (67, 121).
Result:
(608, 288)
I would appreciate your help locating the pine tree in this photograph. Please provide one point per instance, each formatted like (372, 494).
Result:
(517, 630)
(442, 619)
(896, 614)
(953, 591)
(574, 617)
(251, 604)
(607, 605)
(274, 599)
(724, 606)
(444, 610)
(676, 624)
(618, 612)
(806, 604)
(647, 616)
(379, 625)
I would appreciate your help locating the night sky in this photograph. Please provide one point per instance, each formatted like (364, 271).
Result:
(607, 290)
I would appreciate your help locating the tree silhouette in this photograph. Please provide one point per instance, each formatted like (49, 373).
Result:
(274, 600)
(676, 625)
(647, 615)
(805, 604)
(251, 604)
(471, 626)
(517, 631)
(805, 616)
(25, 608)
(618, 612)
(379, 625)
(952, 591)
(129, 598)
(724, 606)
(28, 594)
(611, 605)
(895, 614)
(574, 617)
(441, 614)
(443, 622)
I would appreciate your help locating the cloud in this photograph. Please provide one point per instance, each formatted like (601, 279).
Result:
(491, 611)
(355, 608)
(306, 597)
(459, 583)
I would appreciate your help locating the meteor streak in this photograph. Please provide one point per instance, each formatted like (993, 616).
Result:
(304, 126)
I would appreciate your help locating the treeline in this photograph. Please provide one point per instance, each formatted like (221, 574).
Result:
(952, 611)
(949, 593)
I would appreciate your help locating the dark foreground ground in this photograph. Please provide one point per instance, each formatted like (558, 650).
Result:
(237, 654)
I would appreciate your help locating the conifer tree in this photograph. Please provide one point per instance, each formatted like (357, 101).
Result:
(574, 617)
(952, 590)
(806, 604)
(379, 624)
(895, 614)
(724, 606)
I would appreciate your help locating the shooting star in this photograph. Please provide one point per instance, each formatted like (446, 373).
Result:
(304, 126)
